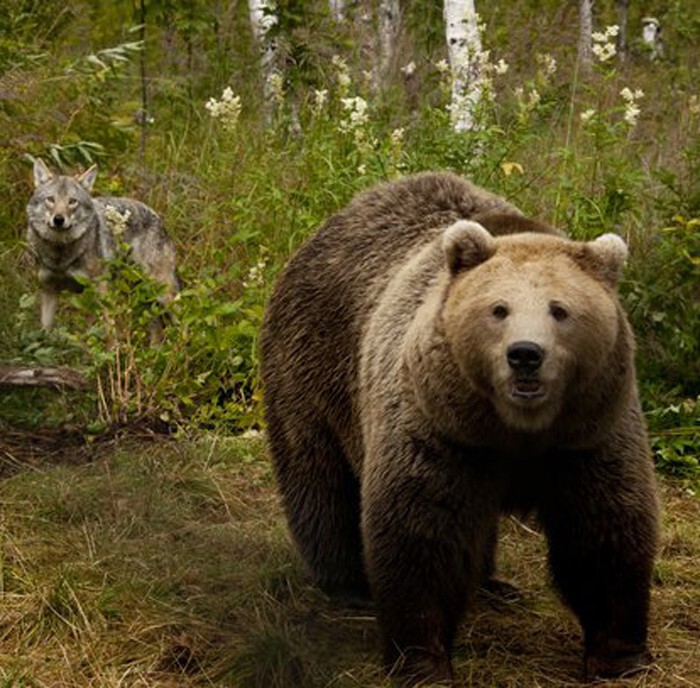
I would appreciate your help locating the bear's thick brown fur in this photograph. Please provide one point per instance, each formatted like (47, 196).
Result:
(432, 359)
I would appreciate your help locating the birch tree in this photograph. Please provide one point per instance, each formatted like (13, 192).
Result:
(622, 11)
(465, 57)
(337, 8)
(389, 18)
(585, 42)
(262, 20)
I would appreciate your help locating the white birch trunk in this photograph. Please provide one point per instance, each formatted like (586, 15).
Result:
(464, 52)
(262, 19)
(389, 16)
(623, 11)
(337, 8)
(585, 42)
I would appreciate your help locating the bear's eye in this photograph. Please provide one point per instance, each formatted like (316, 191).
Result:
(500, 311)
(558, 312)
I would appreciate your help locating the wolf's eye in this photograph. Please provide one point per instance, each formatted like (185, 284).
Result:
(50, 201)
(72, 202)
(500, 311)
(558, 312)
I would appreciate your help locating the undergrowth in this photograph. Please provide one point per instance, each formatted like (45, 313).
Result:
(240, 190)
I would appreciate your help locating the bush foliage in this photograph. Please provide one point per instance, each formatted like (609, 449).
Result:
(240, 185)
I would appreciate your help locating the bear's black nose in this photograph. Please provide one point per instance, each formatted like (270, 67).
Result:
(58, 220)
(525, 357)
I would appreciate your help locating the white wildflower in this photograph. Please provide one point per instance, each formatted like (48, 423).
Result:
(604, 51)
(362, 169)
(117, 220)
(256, 272)
(587, 116)
(342, 74)
(632, 109)
(319, 101)
(275, 87)
(548, 64)
(501, 67)
(227, 110)
(694, 105)
(356, 113)
(632, 112)
(409, 69)
(603, 48)
(442, 66)
(397, 137)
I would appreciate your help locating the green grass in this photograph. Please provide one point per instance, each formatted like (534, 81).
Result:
(167, 563)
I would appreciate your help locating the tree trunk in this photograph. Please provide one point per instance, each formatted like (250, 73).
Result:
(337, 8)
(585, 43)
(262, 19)
(464, 51)
(389, 16)
(143, 114)
(622, 9)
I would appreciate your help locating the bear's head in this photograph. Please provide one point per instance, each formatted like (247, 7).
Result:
(533, 321)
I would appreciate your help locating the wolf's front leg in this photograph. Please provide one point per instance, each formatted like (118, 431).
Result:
(49, 303)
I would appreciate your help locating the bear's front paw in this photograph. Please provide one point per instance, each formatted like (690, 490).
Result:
(420, 669)
(604, 665)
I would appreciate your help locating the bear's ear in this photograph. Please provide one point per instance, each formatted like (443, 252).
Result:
(87, 178)
(606, 257)
(466, 244)
(42, 173)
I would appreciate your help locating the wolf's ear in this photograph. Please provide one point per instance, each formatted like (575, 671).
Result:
(42, 174)
(466, 244)
(87, 178)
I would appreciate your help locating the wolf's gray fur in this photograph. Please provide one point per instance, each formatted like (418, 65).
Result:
(71, 234)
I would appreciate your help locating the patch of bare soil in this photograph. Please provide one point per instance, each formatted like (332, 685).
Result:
(27, 449)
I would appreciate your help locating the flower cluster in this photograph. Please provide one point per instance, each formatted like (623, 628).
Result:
(274, 87)
(694, 105)
(587, 116)
(356, 115)
(117, 220)
(632, 109)
(227, 110)
(342, 74)
(603, 45)
(256, 273)
(548, 66)
(528, 100)
(320, 98)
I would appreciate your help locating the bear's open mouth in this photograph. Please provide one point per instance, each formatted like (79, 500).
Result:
(528, 389)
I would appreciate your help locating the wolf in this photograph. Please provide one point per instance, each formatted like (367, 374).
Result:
(71, 234)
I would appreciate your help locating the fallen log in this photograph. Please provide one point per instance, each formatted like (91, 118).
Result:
(57, 378)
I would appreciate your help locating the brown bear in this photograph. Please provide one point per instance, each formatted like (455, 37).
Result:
(431, 359)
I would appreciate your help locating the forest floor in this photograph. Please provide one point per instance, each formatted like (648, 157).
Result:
(145, 561)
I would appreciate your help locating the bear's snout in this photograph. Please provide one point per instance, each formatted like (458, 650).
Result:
(525, 357)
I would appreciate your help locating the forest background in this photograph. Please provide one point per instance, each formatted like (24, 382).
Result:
(171, 101)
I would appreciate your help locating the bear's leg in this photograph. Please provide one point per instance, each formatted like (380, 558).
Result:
(425, 556)
(321, 498)
(601, 523)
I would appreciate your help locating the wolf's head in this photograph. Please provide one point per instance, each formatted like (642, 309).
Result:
(61, 209)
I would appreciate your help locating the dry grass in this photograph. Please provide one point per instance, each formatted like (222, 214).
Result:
(168, 564)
